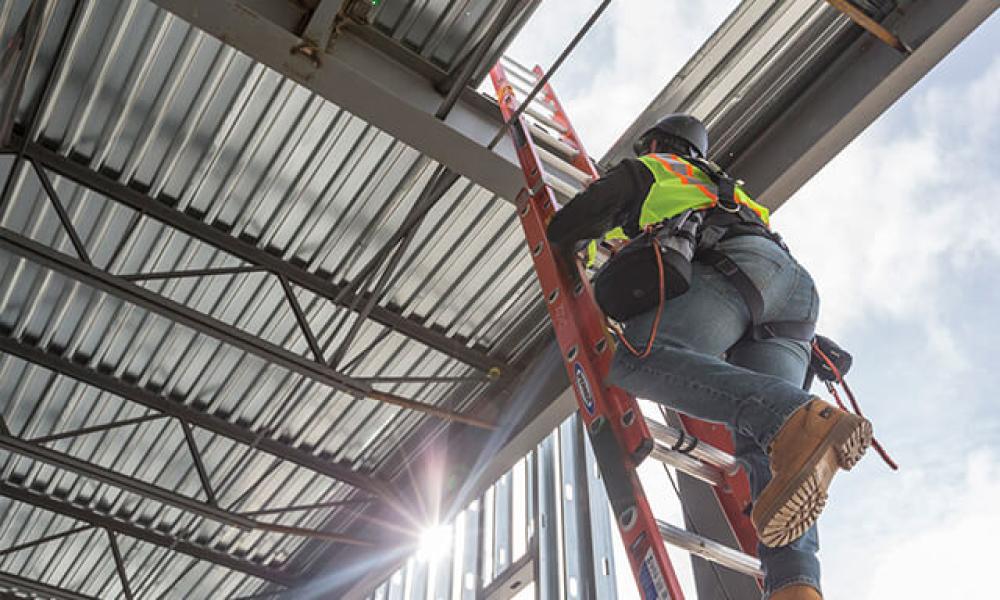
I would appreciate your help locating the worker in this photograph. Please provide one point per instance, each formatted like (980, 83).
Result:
(734, 347)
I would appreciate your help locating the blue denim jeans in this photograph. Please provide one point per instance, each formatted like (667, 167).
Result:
(702, 366)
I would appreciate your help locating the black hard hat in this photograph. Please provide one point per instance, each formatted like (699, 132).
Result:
(677, 125)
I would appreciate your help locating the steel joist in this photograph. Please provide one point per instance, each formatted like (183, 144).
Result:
(149, 536)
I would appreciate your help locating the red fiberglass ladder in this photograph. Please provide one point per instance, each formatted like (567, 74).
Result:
(553, 159)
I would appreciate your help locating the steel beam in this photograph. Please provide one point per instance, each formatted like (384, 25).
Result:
(149, 536)
(39, 589)
(851, 94)
(233, 336)
(106, 186)
(44, 540)
(366, 80)
(217, 425)
(83, 468)
(94, 429)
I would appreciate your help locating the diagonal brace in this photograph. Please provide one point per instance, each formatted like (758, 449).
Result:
(119, 564)
(206, 482)
(44, 540)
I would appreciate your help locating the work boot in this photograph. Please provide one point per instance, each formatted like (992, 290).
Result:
(805, 454)
(796, 592)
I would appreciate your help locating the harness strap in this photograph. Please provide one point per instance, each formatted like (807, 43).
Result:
(796, 330)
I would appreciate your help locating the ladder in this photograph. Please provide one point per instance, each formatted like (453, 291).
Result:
(554, 161)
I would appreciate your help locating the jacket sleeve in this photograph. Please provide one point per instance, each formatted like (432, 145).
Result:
(604, 205)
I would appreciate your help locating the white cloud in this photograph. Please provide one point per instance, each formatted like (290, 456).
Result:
(922, 536)
(890, 221)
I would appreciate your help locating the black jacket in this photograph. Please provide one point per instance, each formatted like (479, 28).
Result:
(612, 201)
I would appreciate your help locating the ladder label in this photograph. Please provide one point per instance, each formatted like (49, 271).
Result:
(583, 387)
(654, 587)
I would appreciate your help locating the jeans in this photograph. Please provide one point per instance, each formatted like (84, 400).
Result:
(754, 392)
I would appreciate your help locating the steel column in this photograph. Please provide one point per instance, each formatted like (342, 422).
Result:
(147, 535)
(200, 230)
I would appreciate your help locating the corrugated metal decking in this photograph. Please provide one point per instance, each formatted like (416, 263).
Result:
(140, 107)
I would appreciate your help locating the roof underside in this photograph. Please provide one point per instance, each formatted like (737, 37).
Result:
(147, 104)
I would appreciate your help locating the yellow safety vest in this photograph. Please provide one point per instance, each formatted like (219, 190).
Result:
(678, 186)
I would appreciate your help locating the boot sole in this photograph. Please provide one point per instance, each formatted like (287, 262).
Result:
(805, 495)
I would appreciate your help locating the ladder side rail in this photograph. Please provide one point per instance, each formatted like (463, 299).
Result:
(617, 429)
(582, 160)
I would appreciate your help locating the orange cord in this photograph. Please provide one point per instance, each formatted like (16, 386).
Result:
(854, 403)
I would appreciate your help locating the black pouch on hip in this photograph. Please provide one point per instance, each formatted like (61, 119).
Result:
(629, 283)
(825, 349)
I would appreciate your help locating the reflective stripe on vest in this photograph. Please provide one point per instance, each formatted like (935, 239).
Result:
(677, 186)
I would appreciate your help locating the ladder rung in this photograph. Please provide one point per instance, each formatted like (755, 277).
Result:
(510, 62)
(551, 160)
(561, 186)
(545, 120)
(687, 464)
(669, 436)
(568, 151)
(710, 550)
(539, 101)
(524, 79)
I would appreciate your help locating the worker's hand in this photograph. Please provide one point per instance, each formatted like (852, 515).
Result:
(565, 255)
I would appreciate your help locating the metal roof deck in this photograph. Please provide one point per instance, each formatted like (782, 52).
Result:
(140, 104)
(221, 201)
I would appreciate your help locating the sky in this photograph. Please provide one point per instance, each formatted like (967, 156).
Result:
(900, 235)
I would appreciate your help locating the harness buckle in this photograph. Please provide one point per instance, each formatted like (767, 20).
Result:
(726, 266)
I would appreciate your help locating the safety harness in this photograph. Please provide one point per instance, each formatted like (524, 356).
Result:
(729, 219)
(696, 235)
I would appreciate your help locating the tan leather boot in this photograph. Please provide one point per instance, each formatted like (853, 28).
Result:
(796, 592)
(814, 442)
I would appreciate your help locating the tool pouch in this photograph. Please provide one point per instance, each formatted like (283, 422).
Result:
(629, 283)
(838, 356)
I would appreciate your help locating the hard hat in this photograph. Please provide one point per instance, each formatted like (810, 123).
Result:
(677, 125)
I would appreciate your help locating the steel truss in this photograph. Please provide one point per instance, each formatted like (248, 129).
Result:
(28, 154)
(150, 536)
(257, 257)
(317, 369)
